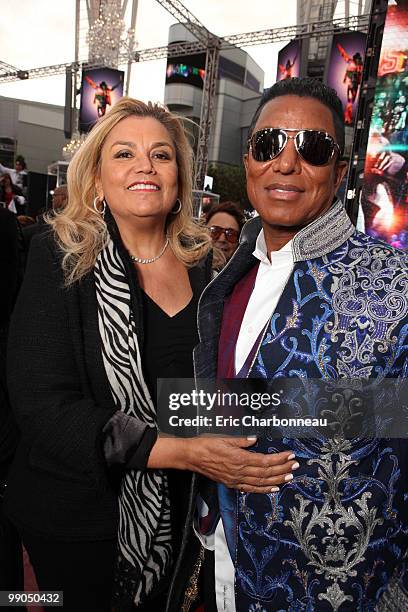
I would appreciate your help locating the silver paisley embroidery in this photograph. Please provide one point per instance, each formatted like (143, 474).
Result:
(370, 297)
(339, 556)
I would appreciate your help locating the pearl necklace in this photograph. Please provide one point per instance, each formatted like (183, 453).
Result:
(147, 261)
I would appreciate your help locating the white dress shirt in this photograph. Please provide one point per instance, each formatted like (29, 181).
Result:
(270, 281)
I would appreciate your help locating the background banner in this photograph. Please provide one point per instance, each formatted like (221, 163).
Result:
(289, 60)
(384, 194)
(345, 69)
(100, 88)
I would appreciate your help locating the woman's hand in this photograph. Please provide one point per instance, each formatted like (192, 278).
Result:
(226, 460)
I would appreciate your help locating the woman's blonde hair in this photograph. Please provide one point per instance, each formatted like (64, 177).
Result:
(82, 233)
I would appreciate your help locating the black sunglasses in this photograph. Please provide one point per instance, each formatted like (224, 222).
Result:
(314, 146)
(230, 234)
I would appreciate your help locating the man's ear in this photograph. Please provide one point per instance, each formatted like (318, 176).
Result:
(245, 160)
(340, 170)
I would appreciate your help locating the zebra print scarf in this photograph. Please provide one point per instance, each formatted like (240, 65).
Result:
(144, 538)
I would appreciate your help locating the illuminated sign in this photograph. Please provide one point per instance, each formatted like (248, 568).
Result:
(385, 194)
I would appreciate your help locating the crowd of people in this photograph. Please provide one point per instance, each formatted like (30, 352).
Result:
(13, 188)
(122, 287)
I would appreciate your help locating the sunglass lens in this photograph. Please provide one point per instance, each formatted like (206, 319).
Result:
(215, 232)
(267, 144)
(231, 235)
(315, 147)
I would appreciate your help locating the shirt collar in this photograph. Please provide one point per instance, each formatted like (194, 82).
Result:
(261, 251)
(322, 236)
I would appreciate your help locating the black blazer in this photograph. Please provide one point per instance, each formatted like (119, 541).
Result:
(33, 230)
(59, 484)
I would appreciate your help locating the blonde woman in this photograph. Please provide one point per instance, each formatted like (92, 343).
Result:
(109, 305)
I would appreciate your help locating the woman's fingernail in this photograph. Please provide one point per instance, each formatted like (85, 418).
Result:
(292, 456)
(274, 489)
(288, 477)
(295, 466)
(252, 438)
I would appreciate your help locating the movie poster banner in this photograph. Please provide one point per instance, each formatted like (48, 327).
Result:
(345, 70)
(100, 89)
(289, 60)
(385, 194)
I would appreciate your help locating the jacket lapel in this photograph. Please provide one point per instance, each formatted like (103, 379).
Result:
(211, 303)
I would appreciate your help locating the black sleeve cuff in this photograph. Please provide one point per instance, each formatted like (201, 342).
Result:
(122, 434)
(138, 455)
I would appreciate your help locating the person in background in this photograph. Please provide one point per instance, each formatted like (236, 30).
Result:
(18, 175)
(225, 223)
(25, 220)
(103, 504)
(59, 199)
(11, 195)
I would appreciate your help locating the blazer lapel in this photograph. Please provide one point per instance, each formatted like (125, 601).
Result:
(211, 304)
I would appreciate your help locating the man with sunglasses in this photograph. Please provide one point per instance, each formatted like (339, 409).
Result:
(225, 223)
(307, 296)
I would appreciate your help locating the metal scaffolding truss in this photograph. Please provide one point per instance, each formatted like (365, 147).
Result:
(4, 67)
(208, 43)
(212, 46)
(207, 115)
(184, 16)
(305, 30)
(262, 37)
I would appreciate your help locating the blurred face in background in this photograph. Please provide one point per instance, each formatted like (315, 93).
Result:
(224, 231)
(60, 197)
(5, 181)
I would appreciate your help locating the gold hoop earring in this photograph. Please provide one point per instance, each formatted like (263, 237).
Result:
(176, 212)
(95, 205)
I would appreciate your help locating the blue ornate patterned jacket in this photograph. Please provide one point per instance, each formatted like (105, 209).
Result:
(334, 538)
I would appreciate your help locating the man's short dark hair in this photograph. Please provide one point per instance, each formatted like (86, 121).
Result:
(306, 88)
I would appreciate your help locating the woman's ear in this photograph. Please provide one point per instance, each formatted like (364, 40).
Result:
(98, 187)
